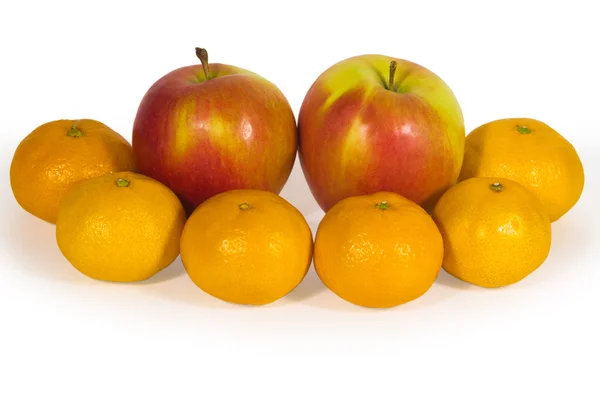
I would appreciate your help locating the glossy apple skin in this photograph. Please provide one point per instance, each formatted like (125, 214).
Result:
(357, 136)
(202, 137)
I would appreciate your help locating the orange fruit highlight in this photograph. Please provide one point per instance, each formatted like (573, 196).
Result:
(120, 227)
(495, 231)
(378, 250)
(59, 153)
(531, 153)
(246, 246)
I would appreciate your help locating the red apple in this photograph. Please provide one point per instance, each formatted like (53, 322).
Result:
(374, 123)
(205, 129)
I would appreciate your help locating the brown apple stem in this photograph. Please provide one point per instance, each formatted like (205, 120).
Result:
(392, 73)
(202, 54)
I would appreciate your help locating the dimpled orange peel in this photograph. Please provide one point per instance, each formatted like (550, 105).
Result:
(531, 153)
(495, 231)
(120, 227)
(378, 250)
(248, 247)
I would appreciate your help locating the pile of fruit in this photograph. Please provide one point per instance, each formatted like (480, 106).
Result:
(382, 145)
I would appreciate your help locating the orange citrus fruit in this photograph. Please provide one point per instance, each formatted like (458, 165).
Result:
(246, 246)
(120, 227)
(531, 153)
(378, 250)
(59, 153)
(495, 231)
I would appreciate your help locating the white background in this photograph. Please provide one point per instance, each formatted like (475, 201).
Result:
(66, 335)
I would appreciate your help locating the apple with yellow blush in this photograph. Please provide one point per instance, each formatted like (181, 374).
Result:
(375, 123)
(208, 128)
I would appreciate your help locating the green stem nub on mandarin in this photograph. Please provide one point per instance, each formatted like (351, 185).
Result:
(74, 132)
(202, 54)
(245, 206)
(122, 182)
(523, 129)
(497, 187)
(383, 205)
(393, 66)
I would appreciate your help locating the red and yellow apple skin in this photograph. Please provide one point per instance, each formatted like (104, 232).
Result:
(202, 137)
(359, 136)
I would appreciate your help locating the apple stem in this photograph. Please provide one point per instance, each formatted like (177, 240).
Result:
(202, 54)
(393, 66)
